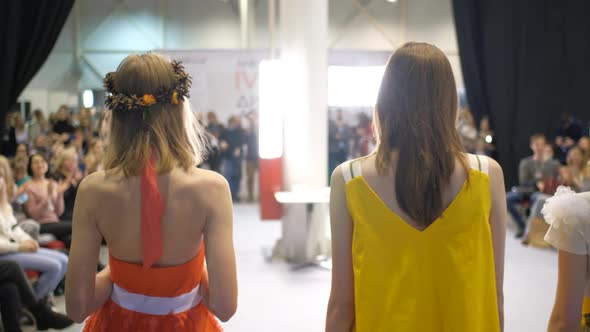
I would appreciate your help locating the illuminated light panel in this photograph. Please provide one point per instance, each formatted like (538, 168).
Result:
(271, 104)
(354, 86)
(87, 98)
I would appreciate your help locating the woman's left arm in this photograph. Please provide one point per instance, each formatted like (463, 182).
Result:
(86, 291)
(341, 307)
(571, 282)
(58, 199)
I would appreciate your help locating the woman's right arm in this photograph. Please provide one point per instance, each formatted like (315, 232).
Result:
(222, 294)
(498, 220)
(341, 310)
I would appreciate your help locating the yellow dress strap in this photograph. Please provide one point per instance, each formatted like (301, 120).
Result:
(350, 169)
(479, 163)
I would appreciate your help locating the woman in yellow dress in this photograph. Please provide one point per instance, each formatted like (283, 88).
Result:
(418, 227)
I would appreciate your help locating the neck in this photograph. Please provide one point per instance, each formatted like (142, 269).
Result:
(538, 157)
(38, 178)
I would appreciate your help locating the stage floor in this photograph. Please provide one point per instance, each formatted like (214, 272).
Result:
(274, 298)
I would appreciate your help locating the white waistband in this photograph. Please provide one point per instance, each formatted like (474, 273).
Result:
(153, 305)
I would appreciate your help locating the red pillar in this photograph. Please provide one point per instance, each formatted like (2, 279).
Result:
(271, 181)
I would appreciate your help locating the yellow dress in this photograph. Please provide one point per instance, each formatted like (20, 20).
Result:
(441, 279)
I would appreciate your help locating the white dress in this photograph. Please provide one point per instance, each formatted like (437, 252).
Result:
(568, 213)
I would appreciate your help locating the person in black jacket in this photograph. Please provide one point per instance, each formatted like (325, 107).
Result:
(232, 141)
(16, 294)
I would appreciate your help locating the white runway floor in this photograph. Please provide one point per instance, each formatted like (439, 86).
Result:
(273, 298)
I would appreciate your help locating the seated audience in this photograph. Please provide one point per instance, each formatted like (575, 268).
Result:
(21, 131)
(45, 201)
(584, 144)
(68, 175)
(16, 294)
(467, 129)
(93, 159)
(22, 151)
(41, 145)
(18, 246)
(63, 123)
(38, 126)
(533, 173)
(562, 146)
(575, 175)
(486, 135)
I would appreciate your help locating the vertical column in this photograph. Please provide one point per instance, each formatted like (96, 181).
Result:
(303, 51)
(303, 54)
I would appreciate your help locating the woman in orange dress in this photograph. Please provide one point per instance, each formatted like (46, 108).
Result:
(160, 215)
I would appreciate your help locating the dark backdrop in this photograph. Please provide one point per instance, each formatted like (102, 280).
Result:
(524, 63)
(28, 31)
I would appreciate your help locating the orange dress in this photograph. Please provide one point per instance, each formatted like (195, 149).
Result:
(163, 283)
(154, 299)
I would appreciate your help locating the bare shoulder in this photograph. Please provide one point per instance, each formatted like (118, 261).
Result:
(495, 170)
(93, 183)
(337, 179)
(339, 171)
(496, 176)
(204, 184)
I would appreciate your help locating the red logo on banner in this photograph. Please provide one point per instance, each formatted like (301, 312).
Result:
(246, 79)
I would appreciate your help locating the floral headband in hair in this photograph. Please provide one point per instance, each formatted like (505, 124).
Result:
(117, 101)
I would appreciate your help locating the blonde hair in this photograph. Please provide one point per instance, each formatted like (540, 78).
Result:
(8, 180)
(168, 131)
(63, 155)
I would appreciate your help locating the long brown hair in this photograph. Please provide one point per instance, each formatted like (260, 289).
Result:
(416, 116)
(169, 131)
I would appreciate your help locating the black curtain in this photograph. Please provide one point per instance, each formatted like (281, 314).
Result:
(28, 31)
(524, 64)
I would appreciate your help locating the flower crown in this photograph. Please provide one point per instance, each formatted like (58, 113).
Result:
(118, 101)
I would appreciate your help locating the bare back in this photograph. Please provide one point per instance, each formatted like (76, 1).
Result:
(384, 186)
(185, 194)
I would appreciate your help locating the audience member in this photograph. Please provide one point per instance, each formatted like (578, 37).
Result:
(485, 138)
(18, 246)
(232, 140)
(570, 127)
(9, 139)
(68, 177)
(214, 131)
(363, 136)
(93, 159)
(22, 151)
(39, 126)
(533, 173)
(562, 146)
(19, 168)
(467, 129)
(45, 201)
(338, 141)
(584, 144)
(576, 174)
(41, 145)
(213, 126)
(251, 153)
(63, 123)
(21, 132)
(16, 294)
